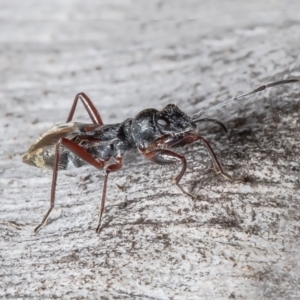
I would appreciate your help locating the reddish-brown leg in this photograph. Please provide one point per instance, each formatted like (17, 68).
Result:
(110, 168)
(96, 119)
(53, 186)
(89, 106)
(84, 155)
(191, 138)
(88, 158)
(217, 166)
(167, 157)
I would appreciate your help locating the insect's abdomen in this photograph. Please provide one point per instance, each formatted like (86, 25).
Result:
(43, 158)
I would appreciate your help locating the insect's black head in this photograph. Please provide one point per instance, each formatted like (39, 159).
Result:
(171, 120)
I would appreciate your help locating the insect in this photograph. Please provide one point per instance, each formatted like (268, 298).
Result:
(154, 134)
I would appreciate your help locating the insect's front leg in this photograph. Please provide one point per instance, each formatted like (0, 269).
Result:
(191, 138)
(167, 157)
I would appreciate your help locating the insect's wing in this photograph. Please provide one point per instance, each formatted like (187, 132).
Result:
(41, 152)
(52, 136)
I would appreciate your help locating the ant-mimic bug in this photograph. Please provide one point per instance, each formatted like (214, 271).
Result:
(152, 133)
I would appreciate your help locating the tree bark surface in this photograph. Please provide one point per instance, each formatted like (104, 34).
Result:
(235, 240)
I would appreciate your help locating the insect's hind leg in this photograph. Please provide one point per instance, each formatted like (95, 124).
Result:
(88, 105)
(81, 153)
(96, 119)
(53, 188)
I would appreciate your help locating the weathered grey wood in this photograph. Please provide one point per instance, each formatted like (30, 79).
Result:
(238, 239)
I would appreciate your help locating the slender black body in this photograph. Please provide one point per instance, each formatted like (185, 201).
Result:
(152, 133)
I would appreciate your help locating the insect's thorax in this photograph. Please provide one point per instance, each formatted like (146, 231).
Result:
(144, 130)
(106, 141)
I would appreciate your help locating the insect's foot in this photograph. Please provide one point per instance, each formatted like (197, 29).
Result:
(219, 171)
(227, 177)
(180, 189)
(45, 220)
(99, 228)
(188, 195)
(38, 228)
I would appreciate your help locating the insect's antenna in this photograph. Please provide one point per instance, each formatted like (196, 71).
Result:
(195, 117)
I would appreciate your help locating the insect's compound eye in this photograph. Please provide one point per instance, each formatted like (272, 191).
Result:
(163, 122)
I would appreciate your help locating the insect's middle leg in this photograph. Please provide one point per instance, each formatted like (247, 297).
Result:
(82, 153)
(87, 157)
(114, 167)
(167, 157)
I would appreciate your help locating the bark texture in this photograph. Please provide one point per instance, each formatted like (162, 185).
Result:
(237, 239)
